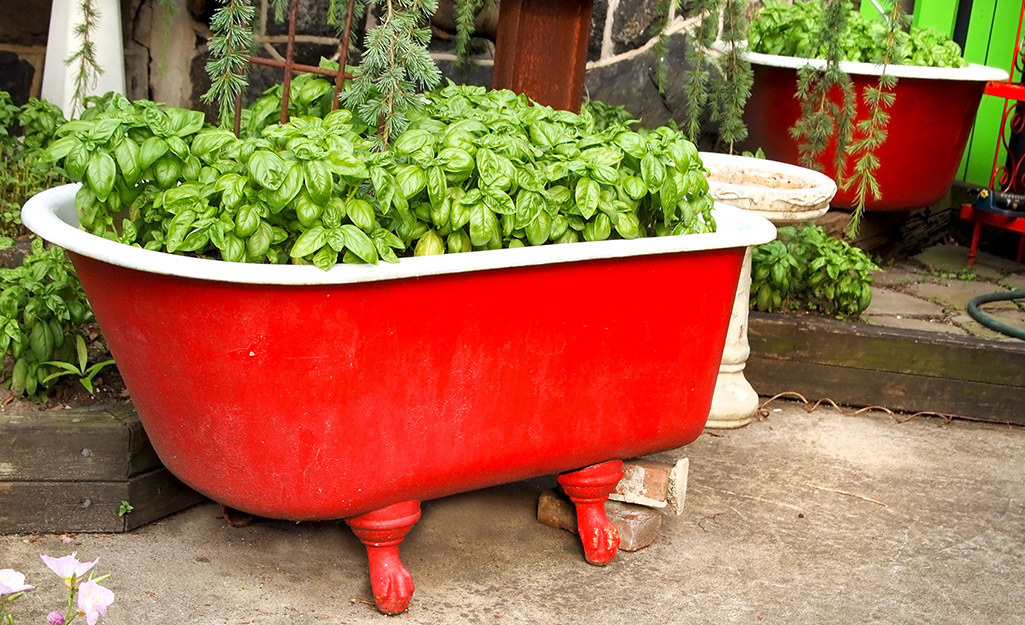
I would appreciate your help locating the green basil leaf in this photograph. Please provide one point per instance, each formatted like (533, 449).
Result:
(259, 242)
(76, 162)
(598, 229)
(539, 229)
(587, 195)
(309, 242)
(632, 143)
(653, 172)
(166, 170)
(482, 224)
(319, 182)
(669, 196)
(456, 160)
(307, 211)
(411, 179)
(267, 169)
(412, 141)
(347, 165)
(437, 186)
(100, 174)
(361, 213)
(61, 148)
(128, 155)
(495, 170)
(290, 186)
(325, 258)
(498, 201)
(151, 149)
(178, 229)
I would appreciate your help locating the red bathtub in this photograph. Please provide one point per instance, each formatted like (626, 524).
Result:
(293, 393)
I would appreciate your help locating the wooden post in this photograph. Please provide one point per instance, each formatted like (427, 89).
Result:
(542, 50)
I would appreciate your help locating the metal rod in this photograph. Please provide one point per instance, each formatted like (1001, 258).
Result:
(343, 55)
(286, 83)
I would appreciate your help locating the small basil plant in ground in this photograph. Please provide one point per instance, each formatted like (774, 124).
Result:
(475, 170)
(85, 596)
(806, 270)
(44, 316)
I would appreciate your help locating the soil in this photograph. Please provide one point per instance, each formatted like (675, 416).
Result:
(108, 388)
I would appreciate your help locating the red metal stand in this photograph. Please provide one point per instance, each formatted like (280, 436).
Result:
(1009, 177)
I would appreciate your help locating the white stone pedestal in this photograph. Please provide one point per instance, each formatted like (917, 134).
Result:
(735, 402)
(58, 77)
(784, 194)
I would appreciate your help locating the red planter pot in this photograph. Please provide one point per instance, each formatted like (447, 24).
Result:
(294, 393)
(929, 125)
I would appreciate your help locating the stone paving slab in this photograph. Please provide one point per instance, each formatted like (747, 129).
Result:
(908, 323)
(898, 275)
(953, 294)
(954, 259)
(888, 302)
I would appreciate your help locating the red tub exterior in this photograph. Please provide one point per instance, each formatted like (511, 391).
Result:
(328, 401)
(930, 122)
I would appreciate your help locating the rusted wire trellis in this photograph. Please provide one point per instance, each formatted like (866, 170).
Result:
(289, 67)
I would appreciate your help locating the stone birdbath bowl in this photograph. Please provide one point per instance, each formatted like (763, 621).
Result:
(785, 195)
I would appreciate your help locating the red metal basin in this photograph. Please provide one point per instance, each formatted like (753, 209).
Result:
(298, 394)
(929, 125)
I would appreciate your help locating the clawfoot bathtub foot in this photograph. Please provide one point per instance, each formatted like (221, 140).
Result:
(381, 531)
(588, 488)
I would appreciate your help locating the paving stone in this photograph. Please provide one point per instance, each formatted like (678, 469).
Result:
(900, 275)
(638, 525)
(1016, 281)
(887, 302)
(952, 258)
(973, 327)
(954, 294)
(910, 323)
(999, 263)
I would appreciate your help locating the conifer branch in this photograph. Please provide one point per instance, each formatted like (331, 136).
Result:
(88, 68)
(396, 68)
(229, 55)
(873, 130)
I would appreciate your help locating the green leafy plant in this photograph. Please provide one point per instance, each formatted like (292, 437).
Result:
(81, 369)
(43, 315)
(795, 30)
(474, 170)
(125, 508)
(806, 270)
(24, 133)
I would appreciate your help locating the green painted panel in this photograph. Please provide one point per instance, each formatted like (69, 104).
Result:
(990, 41)
(869, 10)
(937, 14)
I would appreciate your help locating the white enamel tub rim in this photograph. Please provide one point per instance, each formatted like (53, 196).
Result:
(974, 71)
(51, 215)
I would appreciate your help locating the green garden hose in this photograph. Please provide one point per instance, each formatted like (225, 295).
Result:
(989, 322)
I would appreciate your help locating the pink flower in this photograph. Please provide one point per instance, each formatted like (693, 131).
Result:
(12, 581)
(55, 618)
(93, 600)
(69, 567)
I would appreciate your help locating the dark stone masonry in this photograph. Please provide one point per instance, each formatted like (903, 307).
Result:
(621, 62)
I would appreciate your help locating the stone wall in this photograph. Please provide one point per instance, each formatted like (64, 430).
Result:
(166, 54)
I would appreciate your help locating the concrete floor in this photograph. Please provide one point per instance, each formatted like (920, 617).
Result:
(798, 519)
